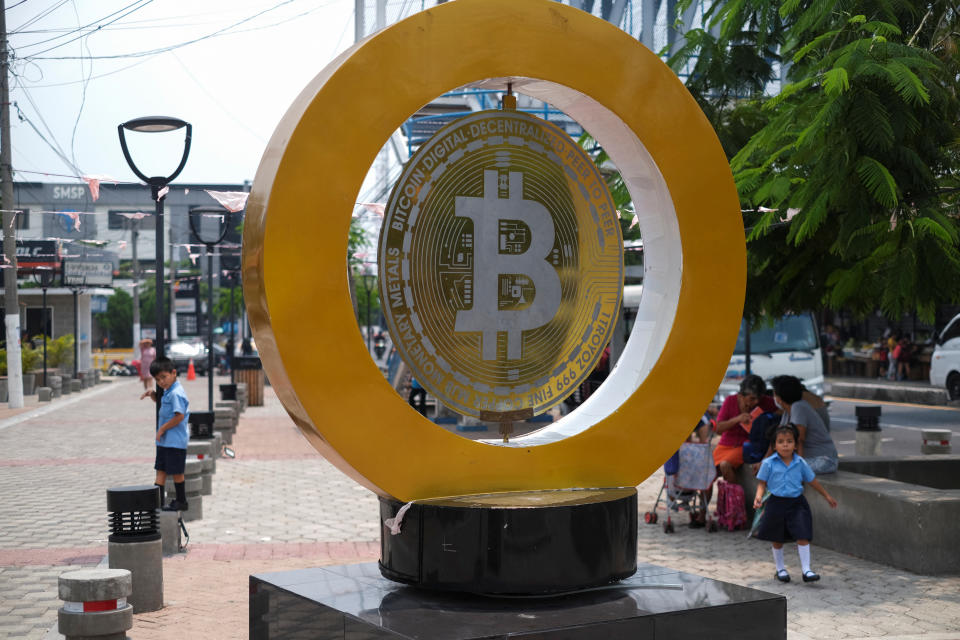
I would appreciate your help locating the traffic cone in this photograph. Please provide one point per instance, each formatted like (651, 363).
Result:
(191, 372)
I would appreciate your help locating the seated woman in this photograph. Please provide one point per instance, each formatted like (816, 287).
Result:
(733, 422)
(815, 445)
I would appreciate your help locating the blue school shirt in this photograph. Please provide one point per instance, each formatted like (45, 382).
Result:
(785, 481)
(174, 401)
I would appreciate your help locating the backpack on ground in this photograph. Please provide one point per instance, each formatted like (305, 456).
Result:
(731, 509)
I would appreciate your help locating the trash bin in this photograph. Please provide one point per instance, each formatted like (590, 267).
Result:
(228, 392)
(249, 370)
(201, 425)
(134, 542)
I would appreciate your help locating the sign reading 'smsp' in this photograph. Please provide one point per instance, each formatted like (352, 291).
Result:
(501, 264)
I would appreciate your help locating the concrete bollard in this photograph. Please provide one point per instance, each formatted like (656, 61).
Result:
(242, 396)
(202, 450)
(44, 394)
(95, 604)
(170, 532)
(217, 446)
(65, 388)
(935, 441)
(193, 485)
(868, 431)
(134, 543)
(56, 385)
(75, 386)
(225, 421)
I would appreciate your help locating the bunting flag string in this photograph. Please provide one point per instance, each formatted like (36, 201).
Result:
(93, 182)
(232, 201)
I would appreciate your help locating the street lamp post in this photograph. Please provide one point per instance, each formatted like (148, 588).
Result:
(232, 344)
(75, 288)
(195, 226)
(44, 277)
(369, 280)
(157, 124)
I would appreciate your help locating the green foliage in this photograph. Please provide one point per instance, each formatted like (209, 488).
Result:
(622, 201)
(30, 358)
(359, 287)
(221, 308)
(118, 319)
(849, 182)
(60, 351)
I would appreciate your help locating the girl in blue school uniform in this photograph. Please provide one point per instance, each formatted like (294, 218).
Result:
(787, 515)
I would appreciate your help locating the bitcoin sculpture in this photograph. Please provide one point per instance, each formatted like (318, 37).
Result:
(296, 284)
(501, 264)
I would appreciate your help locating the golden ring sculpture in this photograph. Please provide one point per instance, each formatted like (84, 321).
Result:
(298, 216)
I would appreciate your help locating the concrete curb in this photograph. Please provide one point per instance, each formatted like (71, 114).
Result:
(888, 392)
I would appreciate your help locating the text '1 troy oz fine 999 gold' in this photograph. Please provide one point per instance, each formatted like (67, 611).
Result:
(501, 264)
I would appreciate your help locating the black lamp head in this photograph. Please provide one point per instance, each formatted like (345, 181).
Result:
(153, 124)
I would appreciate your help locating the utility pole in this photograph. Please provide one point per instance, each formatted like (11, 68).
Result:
(134, 239)
(11, 302)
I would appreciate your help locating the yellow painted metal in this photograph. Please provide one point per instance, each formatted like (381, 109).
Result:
(298, 216)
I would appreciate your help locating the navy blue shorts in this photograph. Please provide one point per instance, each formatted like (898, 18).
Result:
(171, 460)
(786, 520)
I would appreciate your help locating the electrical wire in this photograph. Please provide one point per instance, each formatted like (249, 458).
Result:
(102, 75)
(55, 147)
(214, 99)
(38, 55)
(78, 28)
(40, 16)
(151, 52)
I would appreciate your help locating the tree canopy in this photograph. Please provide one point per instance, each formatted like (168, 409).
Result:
(848, 174)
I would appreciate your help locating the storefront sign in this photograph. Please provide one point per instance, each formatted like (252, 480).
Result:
(87, 273)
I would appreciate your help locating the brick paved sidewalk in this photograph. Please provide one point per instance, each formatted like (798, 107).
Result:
(280, 506)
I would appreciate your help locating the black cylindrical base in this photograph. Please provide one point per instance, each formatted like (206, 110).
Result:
(519, 543)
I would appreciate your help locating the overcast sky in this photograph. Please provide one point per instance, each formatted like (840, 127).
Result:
(233, 85)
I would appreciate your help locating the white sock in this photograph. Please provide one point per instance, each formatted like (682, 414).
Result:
(778, 559)
(804, 552)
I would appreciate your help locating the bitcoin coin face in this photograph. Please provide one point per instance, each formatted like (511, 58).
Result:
(501, 264)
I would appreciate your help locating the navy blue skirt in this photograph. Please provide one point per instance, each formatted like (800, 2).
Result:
(786, 520)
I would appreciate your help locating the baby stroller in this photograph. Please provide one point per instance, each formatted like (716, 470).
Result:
(688, 476)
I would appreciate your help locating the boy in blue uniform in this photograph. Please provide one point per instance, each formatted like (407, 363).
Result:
(172, 433)
(787, 513)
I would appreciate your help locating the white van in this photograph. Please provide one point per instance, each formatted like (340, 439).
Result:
(945, 361)
(791, 346)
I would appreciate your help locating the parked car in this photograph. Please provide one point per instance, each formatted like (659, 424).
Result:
(183, 351)
(945, 361)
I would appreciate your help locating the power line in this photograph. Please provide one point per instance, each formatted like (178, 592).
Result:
(41, 15)
(79, 28)
(152, 52)
(142, 4)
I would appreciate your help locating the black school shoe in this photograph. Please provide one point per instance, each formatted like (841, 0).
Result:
(176, 505)
(810, 576)
(783, 576)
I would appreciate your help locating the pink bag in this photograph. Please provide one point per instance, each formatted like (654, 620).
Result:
(731, 509)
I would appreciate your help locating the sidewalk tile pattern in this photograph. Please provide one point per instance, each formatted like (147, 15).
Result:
(280, 506)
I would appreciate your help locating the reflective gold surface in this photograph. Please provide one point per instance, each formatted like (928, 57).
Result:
(501, 264)
(298, 217)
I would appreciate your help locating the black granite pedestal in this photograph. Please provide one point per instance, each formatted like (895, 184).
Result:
(518, 543)
(354, 602)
